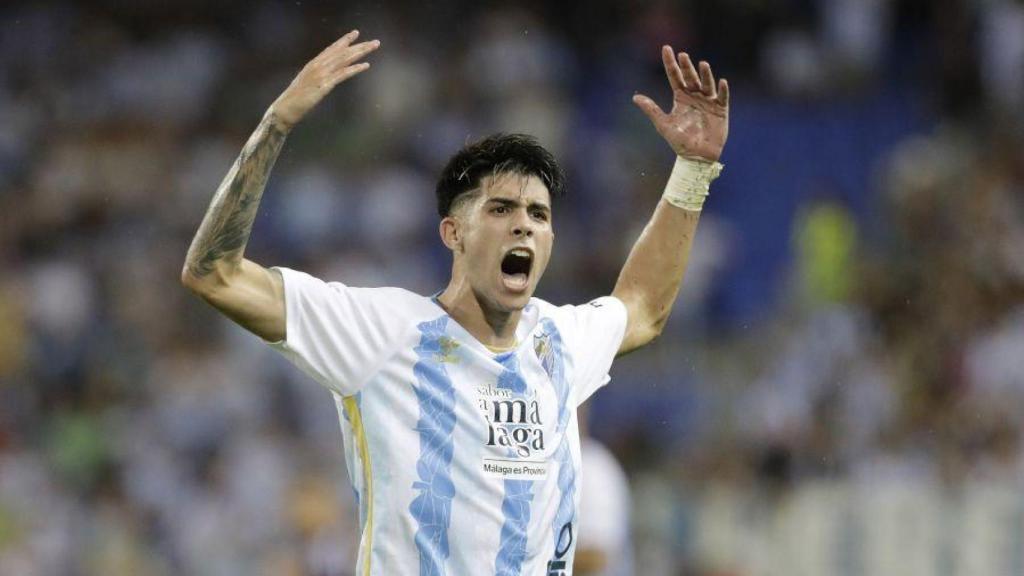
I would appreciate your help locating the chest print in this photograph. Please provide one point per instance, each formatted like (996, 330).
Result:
(515, 423)
(512, 411)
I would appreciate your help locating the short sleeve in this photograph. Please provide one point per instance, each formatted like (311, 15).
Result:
(336, 334)
(599, 327)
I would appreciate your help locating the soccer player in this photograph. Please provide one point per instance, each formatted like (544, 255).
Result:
(459, 410)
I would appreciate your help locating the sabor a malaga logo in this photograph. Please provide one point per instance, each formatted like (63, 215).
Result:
(512, 423)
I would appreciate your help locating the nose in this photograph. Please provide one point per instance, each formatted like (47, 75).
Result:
(522, 231)
(522, 227)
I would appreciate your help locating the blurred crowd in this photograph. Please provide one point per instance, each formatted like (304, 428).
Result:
(839, 388)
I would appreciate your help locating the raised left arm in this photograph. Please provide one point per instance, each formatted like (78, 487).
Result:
(696, 128)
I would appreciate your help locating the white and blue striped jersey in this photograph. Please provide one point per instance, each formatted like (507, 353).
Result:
(465, 461)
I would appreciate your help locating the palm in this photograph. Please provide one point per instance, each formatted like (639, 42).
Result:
(698, 123)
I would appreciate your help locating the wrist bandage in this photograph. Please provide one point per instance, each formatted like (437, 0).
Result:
(688, 185)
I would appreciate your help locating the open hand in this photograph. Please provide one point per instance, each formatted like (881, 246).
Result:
(698, 124)
(337, 63)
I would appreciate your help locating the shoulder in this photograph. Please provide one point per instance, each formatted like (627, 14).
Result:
(573, 312)
(393, 301)
(387, 299)
(543, 307)
(389, 294)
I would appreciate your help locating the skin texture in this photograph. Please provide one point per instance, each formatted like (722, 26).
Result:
(507, 211)
(215, 269)
(696, 127)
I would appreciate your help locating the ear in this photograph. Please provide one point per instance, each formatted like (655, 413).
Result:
(451, 233)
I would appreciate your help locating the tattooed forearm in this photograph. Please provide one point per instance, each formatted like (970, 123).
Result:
(225, 229)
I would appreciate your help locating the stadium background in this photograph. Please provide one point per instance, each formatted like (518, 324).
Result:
(840, 389)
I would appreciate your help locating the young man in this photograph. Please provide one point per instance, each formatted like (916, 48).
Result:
(459, 411)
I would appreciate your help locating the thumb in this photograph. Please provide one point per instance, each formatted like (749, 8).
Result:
(648, 107)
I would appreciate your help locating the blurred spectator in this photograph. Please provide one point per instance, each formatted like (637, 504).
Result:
(605, 544)
(838, 394)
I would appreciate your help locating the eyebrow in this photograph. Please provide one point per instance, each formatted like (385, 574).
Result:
(512, 202)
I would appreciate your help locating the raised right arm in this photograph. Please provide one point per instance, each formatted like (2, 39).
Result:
(215, 268)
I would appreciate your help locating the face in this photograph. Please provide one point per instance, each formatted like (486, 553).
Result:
(502, 240)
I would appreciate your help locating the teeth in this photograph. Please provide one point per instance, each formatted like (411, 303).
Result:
(521, 252)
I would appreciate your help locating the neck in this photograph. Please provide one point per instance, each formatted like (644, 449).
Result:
(493, 328)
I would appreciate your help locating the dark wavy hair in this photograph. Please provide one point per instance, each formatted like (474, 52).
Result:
(496, 154)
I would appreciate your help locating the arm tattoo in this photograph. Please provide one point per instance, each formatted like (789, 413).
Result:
(225, 229)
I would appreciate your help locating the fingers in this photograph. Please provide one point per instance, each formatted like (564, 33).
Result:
(350, 71)
(682, 75)
(689, 73)
(337, 45)
(707, 80)
(347, 39)
(652, 110)
(350, 54)
(345, 64)
(336, 63)
(675, 75)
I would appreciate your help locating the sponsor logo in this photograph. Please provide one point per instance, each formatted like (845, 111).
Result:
(558, 565)
(512, 423)
(515, 431)
(515, 469)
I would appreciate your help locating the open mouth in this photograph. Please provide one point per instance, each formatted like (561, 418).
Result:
(515, 269)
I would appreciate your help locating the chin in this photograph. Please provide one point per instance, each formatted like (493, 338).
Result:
(512, 302)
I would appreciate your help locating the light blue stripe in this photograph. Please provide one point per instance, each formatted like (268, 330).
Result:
(515, 507)
(553, 361)
(566, 512)
(432, 509)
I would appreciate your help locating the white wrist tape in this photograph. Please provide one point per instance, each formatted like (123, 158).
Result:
(688, 185)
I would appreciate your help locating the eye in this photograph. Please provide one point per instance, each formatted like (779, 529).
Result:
(500, 209)
(540, 215)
